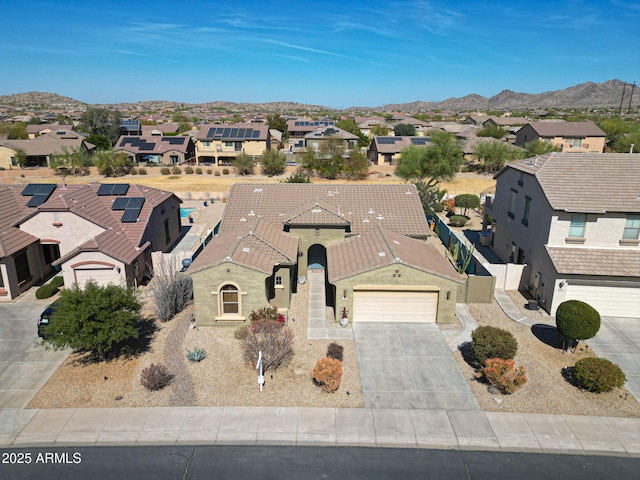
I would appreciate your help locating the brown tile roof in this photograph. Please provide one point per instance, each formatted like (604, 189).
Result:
(112, 242)
(47, 144)
(13, 239)
(380, 247)
(567, 129)
(507, 121)
(396, 207)
(258, 245)
(84, 202)
(586, 182)
(35, 129)
(596, 261)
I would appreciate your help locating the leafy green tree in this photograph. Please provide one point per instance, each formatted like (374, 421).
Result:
(466, 201)
(356, 165)
(432, 164)
(277, 122)
(21, 157)
(100, 121)
(331, 156)
(299, 176)
(35, 121)
(576, 320)
(74, 161)
(63, 119)
(539, 147)
(350, 126)
(17, 131)
(100, 141)
(112, 164)
(243, 164)
(273, 162)
(379, 130)
(97, 319)
(495, 154)
(494, 131)
(404, 130)
(623, 144)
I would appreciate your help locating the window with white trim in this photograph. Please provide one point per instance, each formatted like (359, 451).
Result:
(278, 280)
(632, 228)
(578, 224)
(229, 300)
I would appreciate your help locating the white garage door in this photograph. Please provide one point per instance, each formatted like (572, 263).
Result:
(395, 306)
(102, 276)
(608, 301)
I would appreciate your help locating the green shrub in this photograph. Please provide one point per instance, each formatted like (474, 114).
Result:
(188, 170)
(598, 375)
(196, 355)
(491, 342)
(335, 350)
(504, 375)
(57, 282)
(155, 377)
(458, 220)
(133, 171)
(176, 170)
(45, 291)
(165, 171)
(328, 374)
(225, 171)
(198, 171)
(438, 207)
(142, 171)
(241, 332)
(209, 172)
(467, 200)
(577, 320)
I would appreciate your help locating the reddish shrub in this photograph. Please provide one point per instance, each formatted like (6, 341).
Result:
(504, 375)
(328, 374)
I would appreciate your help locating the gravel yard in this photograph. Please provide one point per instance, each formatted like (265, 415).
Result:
(221, 379)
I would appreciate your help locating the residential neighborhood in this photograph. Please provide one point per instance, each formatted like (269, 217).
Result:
(395, 267)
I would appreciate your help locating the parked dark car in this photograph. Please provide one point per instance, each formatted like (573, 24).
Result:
(46, 318)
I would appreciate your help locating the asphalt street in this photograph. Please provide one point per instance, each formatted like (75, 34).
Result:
(283, 463)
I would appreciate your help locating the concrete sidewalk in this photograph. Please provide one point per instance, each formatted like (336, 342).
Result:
(446, 429)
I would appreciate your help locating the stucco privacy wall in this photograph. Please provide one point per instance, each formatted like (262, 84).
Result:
(408, 277)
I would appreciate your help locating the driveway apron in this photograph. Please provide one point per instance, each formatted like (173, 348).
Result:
(408, 365)
(25, 365)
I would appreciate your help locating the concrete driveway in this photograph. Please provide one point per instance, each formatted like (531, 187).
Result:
(25, 365)
(619, 341)
(408, 365)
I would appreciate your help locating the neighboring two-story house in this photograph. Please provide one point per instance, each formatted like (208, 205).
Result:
(574, 219)
(100, 232)
(314, 140)
(221, 144)
(574, 137)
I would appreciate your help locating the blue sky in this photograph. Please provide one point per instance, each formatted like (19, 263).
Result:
(337, 54)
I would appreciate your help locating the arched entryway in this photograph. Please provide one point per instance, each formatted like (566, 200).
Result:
(317, 257)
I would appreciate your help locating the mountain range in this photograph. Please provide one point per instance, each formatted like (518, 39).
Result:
(584, 95)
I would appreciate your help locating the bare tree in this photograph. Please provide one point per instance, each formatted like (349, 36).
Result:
(170, 289)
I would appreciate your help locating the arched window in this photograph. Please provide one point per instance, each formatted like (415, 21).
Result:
(229, 300)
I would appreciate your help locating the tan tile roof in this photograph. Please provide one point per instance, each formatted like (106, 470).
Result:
(203, 133)
(396, 207)
(258, 245)
(46, 144)
(568, 129)
(319, 213)
(380, 247)
(586, 182)
(507, 121)
(113, 242)
(596, 261)
(330, 131)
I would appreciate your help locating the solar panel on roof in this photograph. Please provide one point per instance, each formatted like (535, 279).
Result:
(120, 189)
(147, 147)
(120, 203)
(35, 188)
(37, 200)
(136, 202)
(419, 141)
(130, 215)
(255, 134)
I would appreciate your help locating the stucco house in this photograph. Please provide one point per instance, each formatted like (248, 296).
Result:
(103, 232)
(386, 150)
(314, 140)
(221, 144)
(369, 240)
(575, 137)
(42, 149)
(574, 220)
(169, 150)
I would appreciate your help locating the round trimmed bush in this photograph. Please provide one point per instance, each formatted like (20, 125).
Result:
(491, 342)
(142, 171)
(45, 291)
(458, 220)
(198, 171)
(176, 170)
(188, 170)
(165, 171)
(598, 375)
(577, 320)
(57, 282)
